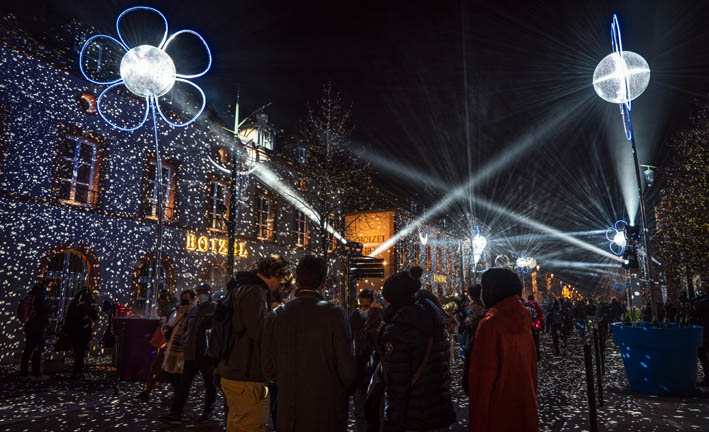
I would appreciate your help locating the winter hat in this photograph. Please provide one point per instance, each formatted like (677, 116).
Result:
(400, 287)
(498, 284)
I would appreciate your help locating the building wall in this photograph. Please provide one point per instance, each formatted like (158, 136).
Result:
(40, 107)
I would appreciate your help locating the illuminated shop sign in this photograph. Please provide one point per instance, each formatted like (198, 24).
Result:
(194, 243)
(439, 278)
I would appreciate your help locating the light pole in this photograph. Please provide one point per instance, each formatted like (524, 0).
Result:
(235, 186)
(619, 78)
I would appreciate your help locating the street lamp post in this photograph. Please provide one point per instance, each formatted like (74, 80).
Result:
(619, 78)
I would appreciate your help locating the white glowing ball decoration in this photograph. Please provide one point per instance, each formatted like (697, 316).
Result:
(619, 238)
(148, 71)
(612, 73)
(479, 244)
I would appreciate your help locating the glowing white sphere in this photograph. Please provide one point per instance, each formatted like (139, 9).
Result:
(148, 71)
(619, 238)
(521, 262)
(611, 73)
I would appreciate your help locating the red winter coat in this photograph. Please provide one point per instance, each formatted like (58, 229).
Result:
(503, 371)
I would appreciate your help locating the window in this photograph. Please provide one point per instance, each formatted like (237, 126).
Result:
(144, 289)
(77, 173)
(302, 185)
(439, 261)
(265, 218)
(217, 278)
(449, 264)
(402, 261)
(168, 192)
(428, 258)
(67, 275)
(223, 156)
(417, 253)
(217, 205)
(302, 229)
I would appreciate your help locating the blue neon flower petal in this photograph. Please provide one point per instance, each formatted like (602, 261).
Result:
(192, 118)
(129, 10)
(201, 39)
(82, 53)
(112, 123)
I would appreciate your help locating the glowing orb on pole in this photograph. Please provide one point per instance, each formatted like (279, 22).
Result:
(621, 77)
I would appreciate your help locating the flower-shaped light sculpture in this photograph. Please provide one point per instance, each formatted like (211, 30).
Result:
(147, 71)
(479, 244)
(524, 263)
(616, 236)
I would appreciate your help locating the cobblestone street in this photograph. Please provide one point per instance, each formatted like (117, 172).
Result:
(64, 405)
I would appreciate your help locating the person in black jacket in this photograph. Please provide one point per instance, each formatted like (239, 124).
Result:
(79, 325)
(307, 351)
(415, 359)
(36, 332)
(363, 351)
(198, 321)
(241, 375)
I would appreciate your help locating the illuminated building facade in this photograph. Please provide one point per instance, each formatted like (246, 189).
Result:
(436, 250)
(78, 198)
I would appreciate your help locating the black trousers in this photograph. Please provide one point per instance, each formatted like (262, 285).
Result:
(79, 349)
(185, 384)
(555, 333)
(535, 334)
(34, 345)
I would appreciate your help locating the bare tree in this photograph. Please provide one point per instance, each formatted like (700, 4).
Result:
(342, 180)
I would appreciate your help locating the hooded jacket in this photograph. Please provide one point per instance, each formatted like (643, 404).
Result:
(427, 404)
(503, 371)
(251, 303)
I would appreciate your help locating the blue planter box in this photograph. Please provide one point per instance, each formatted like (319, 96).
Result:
(659, 361)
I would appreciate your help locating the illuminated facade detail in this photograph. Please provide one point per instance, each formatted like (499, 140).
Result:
(265, 218)
(302, 229)
(215, 245)
(428, 258)
(168, 183)
(217, 205)
(77, 172)
(438, 278)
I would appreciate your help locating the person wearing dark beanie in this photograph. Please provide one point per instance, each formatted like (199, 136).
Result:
(503, 362)
(414, 357)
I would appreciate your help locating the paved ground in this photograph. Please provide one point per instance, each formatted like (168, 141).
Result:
(63, 405)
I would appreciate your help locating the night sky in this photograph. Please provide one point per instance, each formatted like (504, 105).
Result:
(403, 69)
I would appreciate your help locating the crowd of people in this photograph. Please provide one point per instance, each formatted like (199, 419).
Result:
(289, 357)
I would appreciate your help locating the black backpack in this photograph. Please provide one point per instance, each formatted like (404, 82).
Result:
(222, 337)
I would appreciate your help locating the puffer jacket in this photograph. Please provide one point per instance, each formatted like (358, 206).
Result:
(404, 338)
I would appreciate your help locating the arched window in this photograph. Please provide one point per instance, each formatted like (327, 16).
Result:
(67, 274)
(217, 278)
(145, 285)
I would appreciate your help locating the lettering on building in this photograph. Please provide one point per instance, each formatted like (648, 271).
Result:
(204, 244)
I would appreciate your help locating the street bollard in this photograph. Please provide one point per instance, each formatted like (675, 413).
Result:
(599, 374)
(592, 417)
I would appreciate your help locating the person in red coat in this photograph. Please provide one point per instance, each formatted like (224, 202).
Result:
(503, 363)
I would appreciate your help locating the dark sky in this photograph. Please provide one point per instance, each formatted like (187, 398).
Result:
(400, 65)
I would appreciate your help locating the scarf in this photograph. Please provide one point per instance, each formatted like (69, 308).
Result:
(174, 353)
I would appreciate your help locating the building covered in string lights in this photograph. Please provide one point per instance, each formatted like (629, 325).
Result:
(78, 198)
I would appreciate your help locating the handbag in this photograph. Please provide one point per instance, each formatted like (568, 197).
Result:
(158, 340)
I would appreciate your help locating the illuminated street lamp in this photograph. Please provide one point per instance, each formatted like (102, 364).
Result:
(619, 78)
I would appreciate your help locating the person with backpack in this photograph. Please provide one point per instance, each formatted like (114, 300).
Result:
(33, 313)
(242, 379)
(81, 316)
(556, 321)
(307, 351)
(194, 343)
(537, 320)
(503, 365)
(415, 359)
